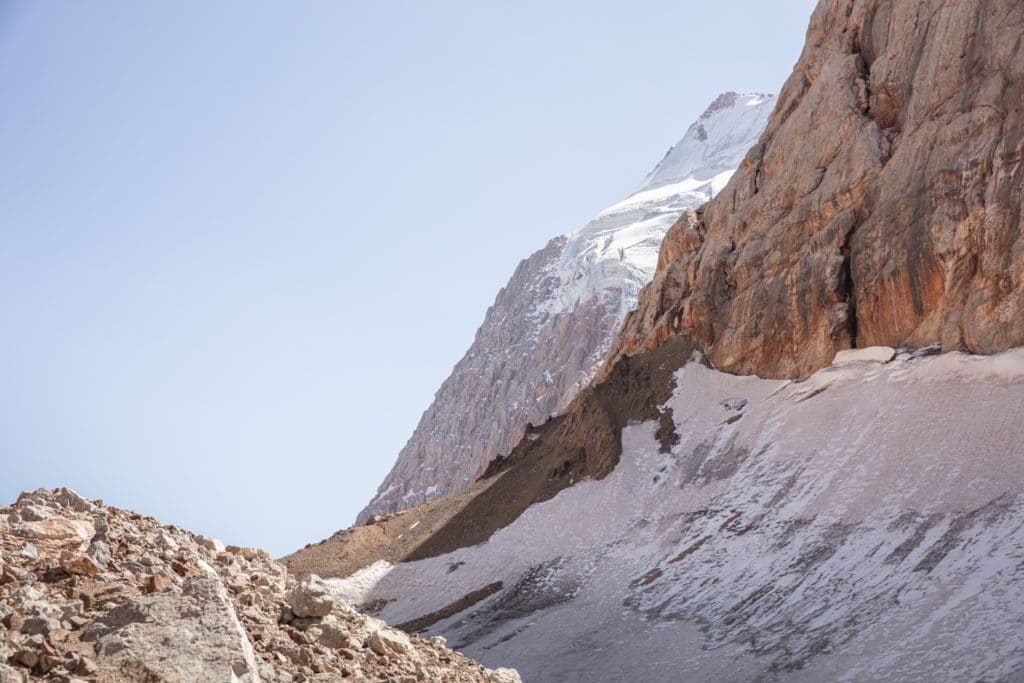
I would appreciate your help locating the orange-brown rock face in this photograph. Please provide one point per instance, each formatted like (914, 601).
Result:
(882, 205)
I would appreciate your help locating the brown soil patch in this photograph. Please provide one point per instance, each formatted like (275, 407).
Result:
(689, 551)
(651, 576)
(465, 602)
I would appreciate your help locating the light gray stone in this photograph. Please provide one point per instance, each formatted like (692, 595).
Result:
(70, 498)
(389, 642)
(311, 598)
(35, 513)
(11, 675)
(869, 354)
(193, 634)
(215, 545)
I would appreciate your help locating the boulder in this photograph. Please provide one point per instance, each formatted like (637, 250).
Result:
(214, 545)
(871, 354)
(248, 553)
(56, 530)
(389, 642)
(70, 498)
(34, 513)
(192, 634)
(504, 676)
(11, 675)
(80, 565)
(165, 541)
(334, 635)
(156, 583)
(310, 598)
(39, 626)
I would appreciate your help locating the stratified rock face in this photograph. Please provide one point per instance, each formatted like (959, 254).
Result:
(882, 205)
(89, 592)
(850, 527)
(552, 324)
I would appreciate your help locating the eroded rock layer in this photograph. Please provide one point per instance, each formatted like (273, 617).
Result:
(882, 205)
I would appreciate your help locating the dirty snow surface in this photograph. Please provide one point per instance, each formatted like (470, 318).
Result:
(865, 524)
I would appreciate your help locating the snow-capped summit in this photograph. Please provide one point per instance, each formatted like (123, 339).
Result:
(552, 324)
(618, 250)
(716, 142)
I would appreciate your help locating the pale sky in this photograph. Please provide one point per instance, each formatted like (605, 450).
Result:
(243, 243)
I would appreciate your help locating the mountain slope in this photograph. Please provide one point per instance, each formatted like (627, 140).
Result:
(855, 522)
(848, 527)
(552, 324)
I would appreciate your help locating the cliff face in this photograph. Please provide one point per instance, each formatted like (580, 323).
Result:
(882, 205)
(552, 324)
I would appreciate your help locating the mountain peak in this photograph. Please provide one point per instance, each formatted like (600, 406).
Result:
(715, 142)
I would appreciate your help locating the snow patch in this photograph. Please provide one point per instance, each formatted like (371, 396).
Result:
(860, 525)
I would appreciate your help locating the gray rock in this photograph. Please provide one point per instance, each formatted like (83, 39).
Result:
(39, 626)
(311, 599)
(334, 635)
(166, 541)
(389, 642)
(99, 551)
(11, 675)
(70, 498)
(189, 635)
(504, 676)
(35, 513)
(214, 545)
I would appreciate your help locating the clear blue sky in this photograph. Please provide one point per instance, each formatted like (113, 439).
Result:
(242, 243)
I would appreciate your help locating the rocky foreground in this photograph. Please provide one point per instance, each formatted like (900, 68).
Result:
(92, 593)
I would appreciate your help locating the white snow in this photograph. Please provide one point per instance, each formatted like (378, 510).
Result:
(618, 249)
(865, 524)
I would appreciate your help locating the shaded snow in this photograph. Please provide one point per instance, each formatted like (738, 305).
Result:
(865, 524)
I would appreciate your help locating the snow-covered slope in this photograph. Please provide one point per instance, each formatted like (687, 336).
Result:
(848, 527)
(550, 327)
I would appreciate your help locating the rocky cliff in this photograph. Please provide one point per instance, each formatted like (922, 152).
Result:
(93, 593)
(882, 205)
(552, 324)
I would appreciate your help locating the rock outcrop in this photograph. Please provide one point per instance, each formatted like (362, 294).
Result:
(882, 205)
(550, 327)
(93, 593)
